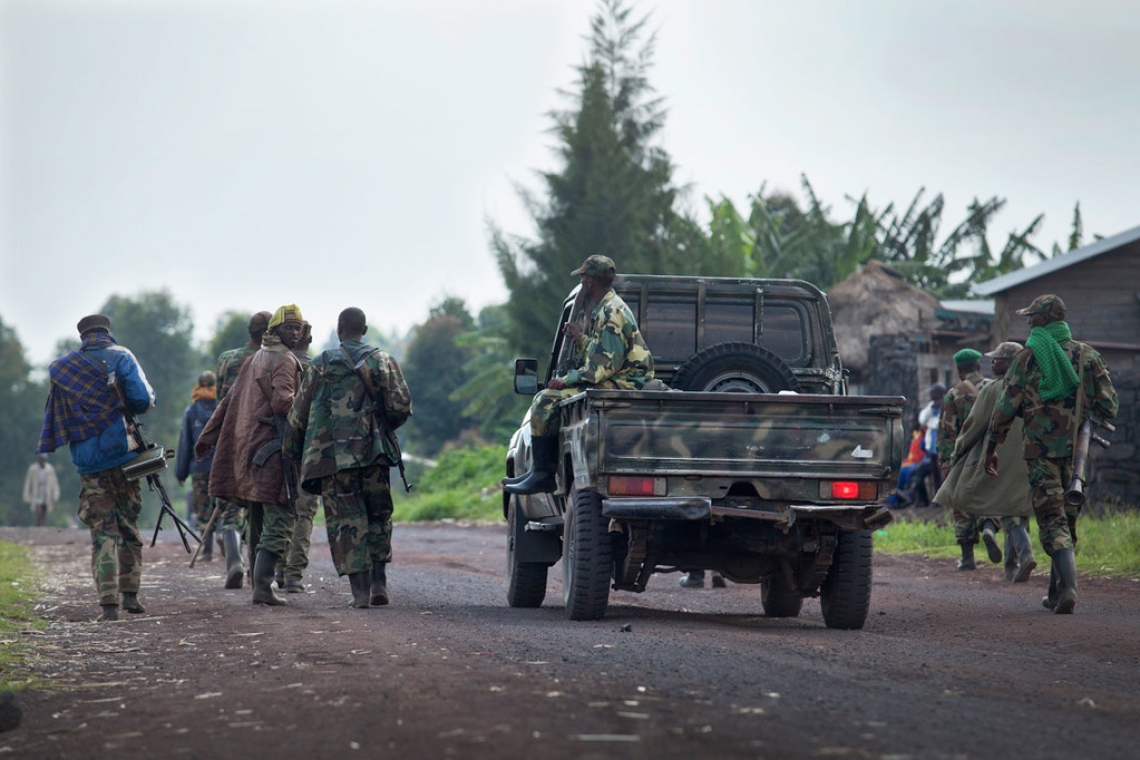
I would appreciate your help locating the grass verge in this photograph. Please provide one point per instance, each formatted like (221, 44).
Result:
(1109, 542)
(17, 581)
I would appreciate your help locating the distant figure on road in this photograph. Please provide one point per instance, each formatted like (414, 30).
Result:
(194, 419)
(41, 489)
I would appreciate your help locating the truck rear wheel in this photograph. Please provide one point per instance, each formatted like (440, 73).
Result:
(845, 596)
(526, 581)
(779, 598)
(587, 557)
(735, 367)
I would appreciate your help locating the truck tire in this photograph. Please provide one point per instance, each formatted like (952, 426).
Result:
(526, 581)
(587, 557)
(779, 599)
(845, 595)
(735, 367)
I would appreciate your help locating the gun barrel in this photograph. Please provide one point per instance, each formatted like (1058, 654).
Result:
(1075, 495)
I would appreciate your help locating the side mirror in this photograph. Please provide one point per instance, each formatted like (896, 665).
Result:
(526, 376)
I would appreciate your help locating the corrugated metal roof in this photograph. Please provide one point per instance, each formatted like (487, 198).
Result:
(1075, 256)
(977, 306)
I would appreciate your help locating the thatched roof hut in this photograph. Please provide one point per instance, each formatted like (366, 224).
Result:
(876, 301)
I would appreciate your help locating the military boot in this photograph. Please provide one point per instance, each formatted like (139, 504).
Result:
(1010, 560)
(361, 589)
(207, 553)
(1066, 565)
(231, 539)
(540, 479)
(1026, 562)
(1049, 601)
(967, 561)
(110, 613)
(263, 592)
(379, 583)
(989, 538)
(130, 602)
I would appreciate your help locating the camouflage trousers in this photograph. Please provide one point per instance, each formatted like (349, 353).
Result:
(200, 498)
(1056, 521)
(293, 563)
(270, 526)
(358, 515)
(231, 515)
(544, 416)
(968, 528)
(109, 506)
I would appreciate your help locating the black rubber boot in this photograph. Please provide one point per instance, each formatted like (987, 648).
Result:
(207, 553)
(967, 561)
(130, 602)
(1026, 562)
(231, 539)
(1049, 601)
(540, 479)
(361, 584)
(989, 538)
(110, 613)
(1066, 565)
(279, 578)
(1010, 560)
(263, 592)
(694, 579)
(379, 584)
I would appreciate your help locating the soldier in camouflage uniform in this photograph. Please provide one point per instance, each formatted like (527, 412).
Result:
(612, 355)
(956, 407)
(89, 387)
(340, 446)
(1054, 383)
(292, 564)
(231, 514)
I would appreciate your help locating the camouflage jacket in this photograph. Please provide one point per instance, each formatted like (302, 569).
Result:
(1051, 426)
(612, 348)
(229, 363)
(332, 427)
(955, 409)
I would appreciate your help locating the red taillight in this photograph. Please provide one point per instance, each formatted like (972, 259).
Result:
(633, 486)
(844, 489)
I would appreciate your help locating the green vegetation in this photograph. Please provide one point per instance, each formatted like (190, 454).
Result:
(1109, 541)
(16, 577)
(463, 485)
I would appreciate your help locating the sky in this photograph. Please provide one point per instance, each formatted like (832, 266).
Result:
(245, 154)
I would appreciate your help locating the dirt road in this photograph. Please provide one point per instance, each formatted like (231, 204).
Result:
(950, 665)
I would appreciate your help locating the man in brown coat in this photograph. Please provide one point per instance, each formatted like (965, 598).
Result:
(246, 431)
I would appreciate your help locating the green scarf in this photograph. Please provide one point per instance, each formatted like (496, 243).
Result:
(1058, 378)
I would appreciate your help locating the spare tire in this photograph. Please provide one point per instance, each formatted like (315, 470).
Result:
(735, 367)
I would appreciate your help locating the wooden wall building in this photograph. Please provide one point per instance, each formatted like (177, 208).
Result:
(1100, 284)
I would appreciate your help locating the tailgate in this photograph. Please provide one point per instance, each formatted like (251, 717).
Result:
(748, 435)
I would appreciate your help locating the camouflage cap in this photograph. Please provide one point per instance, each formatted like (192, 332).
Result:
(967, 356)
(288, 313)
(1006, 350)
(596, 266)
(1047, 304)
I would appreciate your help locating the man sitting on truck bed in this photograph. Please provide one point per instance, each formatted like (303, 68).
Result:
(612, 354)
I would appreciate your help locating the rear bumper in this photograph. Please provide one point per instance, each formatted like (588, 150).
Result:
(870, 517)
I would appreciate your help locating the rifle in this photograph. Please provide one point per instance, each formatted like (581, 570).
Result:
(1075, 494)
(151, 461)
(391, 444)
(277, 446)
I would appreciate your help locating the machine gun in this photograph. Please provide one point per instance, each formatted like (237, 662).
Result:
(148, 464)
(1075, 493)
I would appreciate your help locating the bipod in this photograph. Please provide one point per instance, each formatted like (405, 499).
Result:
(155, 483)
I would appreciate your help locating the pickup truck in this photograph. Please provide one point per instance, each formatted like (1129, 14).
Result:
(745, 457)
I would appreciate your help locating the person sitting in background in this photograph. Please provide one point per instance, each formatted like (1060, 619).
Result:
(929, 418)
(904, 494)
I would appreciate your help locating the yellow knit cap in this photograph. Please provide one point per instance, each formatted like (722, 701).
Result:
(290, 313)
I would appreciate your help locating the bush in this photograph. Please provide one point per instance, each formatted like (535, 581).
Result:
(463, 485)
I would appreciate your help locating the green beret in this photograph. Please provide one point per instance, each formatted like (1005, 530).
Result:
(967, 356)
